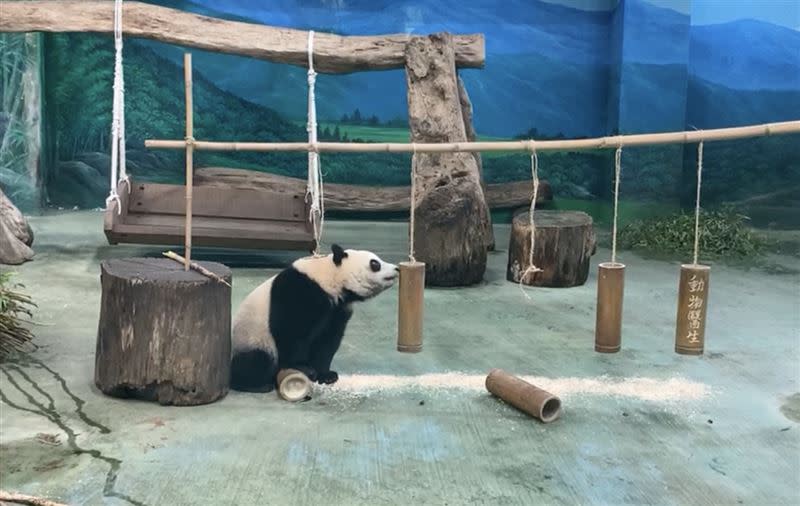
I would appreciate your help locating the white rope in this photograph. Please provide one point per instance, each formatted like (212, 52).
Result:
(697, 202)
(314, 188)
(617, 171)
(412, 205)
(532, 269)
(118, 114)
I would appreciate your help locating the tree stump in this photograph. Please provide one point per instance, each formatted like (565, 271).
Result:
(565, 241)
(164, 333)
(452, 218)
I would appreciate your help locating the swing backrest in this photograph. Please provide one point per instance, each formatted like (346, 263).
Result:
(218, 202)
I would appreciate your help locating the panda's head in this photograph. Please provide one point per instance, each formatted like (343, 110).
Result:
(350, 275)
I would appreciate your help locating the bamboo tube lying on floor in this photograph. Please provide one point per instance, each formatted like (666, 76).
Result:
(293, 385)
(524, 396)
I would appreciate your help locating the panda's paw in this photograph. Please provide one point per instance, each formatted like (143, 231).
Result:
(327, 378)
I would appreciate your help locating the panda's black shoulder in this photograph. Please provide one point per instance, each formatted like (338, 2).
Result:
(294, 289)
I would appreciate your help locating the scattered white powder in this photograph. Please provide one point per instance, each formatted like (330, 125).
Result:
(647, 389)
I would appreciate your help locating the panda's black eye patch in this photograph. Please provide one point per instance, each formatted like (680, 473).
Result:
(374, 265)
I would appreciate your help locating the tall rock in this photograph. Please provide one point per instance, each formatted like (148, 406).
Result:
(452, 218)
(16, 235)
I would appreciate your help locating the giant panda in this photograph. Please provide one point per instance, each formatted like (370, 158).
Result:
(297, 318)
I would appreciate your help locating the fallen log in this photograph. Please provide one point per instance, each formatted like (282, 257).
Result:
(346, 197)
(335, 54)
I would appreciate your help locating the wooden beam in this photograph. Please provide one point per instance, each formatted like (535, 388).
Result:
(334, 54)
(346, 197)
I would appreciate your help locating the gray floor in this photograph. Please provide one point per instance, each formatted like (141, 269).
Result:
(645, 426)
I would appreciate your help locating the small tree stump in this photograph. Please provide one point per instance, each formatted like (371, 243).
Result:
(164, 333)
(565, 241)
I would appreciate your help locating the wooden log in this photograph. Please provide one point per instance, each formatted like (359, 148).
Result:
(346, 197)
(335, 54)
(472, 135)
(410, 307)
(608, 319)
(524, 396)
(164, 333)
(690, 328)
(565, 242)
(451, 215)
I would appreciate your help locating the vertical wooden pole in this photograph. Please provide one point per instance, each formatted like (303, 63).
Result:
(610, 290)
(187, 77)
(410, 311)
(690, 328)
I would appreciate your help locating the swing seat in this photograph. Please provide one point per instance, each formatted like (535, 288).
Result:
(223, 217)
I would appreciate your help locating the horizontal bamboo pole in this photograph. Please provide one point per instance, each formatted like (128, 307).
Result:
(335, 54)
(717, 134)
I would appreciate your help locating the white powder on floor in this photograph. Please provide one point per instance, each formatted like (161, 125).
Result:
(643, 388)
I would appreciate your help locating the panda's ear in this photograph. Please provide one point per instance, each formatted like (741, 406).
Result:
(338, 254)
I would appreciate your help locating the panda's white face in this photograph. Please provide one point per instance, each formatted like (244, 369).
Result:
(365, 274)
(359, 272)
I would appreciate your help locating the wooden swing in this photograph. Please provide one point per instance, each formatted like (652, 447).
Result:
(210, 215)
(154, 213)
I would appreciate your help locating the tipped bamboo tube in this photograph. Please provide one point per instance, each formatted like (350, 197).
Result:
(610, 291)
(524, 396)
(692, 136)
(690, 328)
(293, 385)
(410, 307)
(187, 77)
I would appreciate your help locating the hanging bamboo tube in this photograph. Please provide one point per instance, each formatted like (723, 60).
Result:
(610, 291)
(410, 310)
(187, 77)
(690, 328)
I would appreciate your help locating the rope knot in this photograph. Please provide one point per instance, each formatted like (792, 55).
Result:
(190, 140)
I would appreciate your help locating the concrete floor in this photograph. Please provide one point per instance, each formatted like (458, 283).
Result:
(720, 429)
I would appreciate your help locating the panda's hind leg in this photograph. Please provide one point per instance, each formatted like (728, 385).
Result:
(253, 371)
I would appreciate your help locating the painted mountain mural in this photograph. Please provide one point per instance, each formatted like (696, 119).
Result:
(552, 70)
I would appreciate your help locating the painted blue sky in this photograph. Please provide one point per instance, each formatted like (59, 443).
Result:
(780, 12)
(708, 12)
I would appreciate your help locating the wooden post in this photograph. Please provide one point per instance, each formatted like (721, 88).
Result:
(410, 311)
(610, 290)
(690, 328)
(293, 385)
(187, 77)
(524, 396)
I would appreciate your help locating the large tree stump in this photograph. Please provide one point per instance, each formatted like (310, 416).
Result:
(565, 241)
(16, 235)
(452, 218)
(164, 333)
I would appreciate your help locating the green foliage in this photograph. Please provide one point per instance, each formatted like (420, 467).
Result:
(724, 234)
(14, 307)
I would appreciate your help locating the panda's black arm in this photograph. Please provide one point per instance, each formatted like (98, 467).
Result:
(327, 343)
(297, 308)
